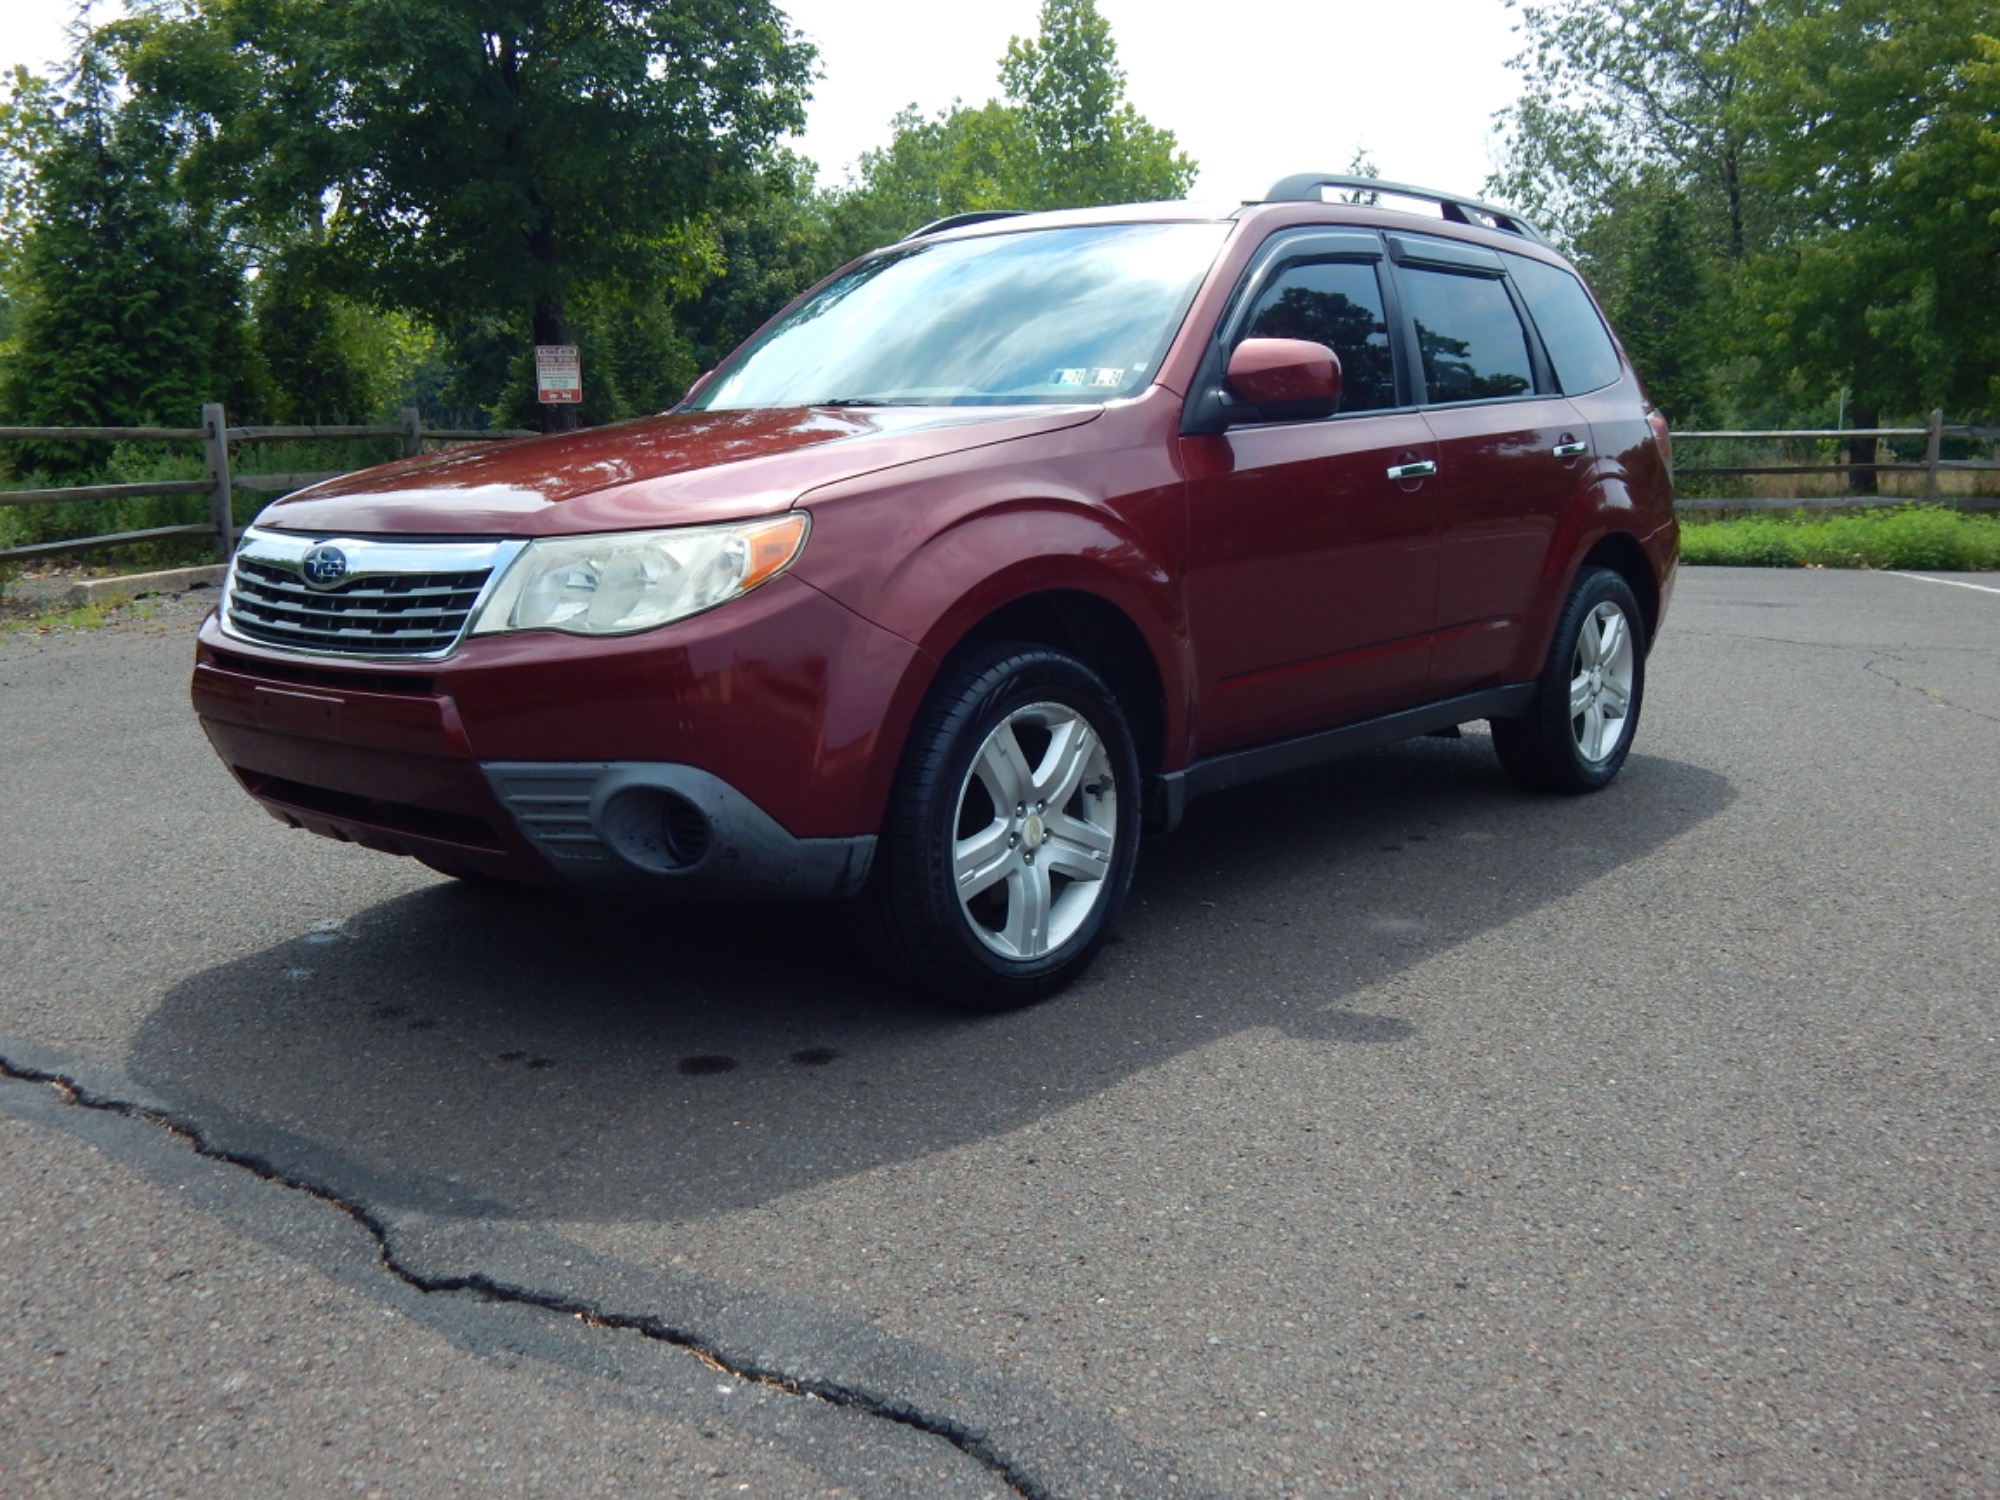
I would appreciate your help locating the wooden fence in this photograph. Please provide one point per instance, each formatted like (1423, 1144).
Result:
(1933, 466)
(220, 485)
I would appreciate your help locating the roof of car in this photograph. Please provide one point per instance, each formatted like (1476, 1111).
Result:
(1450, 215)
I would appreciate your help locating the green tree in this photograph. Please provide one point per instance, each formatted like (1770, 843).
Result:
(765, 253)
(1838, 164)
(301, 329)
(958, 161)
(1661, 309)
(29, 125)
(127, 302)
(327, 357)
(636, 357)
(1361, 164)
(475, 162)
(1063, 136)
(1616, 92)
(1085, 143)
(27, 130)
(1881, 122)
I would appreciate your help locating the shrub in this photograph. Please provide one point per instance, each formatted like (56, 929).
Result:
(1902, 536)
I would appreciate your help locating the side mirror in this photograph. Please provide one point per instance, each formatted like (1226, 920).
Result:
(1283, 379)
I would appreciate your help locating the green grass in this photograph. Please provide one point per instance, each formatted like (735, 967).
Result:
(64, 617)
(1904, 536)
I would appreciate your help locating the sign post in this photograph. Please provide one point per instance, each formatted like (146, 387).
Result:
(558, 375)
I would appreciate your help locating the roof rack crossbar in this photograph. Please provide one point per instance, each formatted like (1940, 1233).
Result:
(959, 221)
(1306, 187)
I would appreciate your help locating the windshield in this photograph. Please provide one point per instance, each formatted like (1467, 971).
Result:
(1041, 315)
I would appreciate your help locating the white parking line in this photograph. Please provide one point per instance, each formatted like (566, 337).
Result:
(1951, 582)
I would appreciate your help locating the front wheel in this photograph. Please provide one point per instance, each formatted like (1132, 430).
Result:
(1578, 730)
(1011, 833)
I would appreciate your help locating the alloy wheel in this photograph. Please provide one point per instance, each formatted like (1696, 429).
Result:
(1036, 827)
(1601, 678)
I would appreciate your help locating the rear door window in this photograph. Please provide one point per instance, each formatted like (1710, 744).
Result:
(1470, 341)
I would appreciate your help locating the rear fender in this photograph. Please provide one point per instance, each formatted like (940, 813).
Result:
(1607, 511)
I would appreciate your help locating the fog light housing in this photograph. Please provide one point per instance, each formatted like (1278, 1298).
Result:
(657, 830)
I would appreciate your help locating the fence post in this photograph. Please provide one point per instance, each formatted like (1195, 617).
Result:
(221, 498)
(412, 423)
(1933, 447)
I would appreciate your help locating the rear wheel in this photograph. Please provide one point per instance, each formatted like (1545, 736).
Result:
(1011, 834)
(1578, 731)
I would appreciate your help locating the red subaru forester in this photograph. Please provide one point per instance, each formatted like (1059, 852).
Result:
(996, 546)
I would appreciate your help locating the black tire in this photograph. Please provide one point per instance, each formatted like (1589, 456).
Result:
(1034, 720)
(1579, 728)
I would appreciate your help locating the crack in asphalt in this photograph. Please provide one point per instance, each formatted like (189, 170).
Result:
(970, 1443)
(1696, 633)
(1879, 668)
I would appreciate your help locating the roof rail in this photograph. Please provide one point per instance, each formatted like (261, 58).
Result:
(959, 221)
(1459, 209)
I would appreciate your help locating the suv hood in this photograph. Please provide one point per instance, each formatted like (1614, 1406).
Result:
(674, 470)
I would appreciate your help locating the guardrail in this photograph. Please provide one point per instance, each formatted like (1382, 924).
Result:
(221, 486)
(1934, 464)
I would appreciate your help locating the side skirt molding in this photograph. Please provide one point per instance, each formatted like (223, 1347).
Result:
(1170, 793)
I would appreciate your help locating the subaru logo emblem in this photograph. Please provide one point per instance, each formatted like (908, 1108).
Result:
(324, 566)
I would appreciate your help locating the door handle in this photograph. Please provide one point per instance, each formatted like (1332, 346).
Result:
(1421, 470)
(1570, 449)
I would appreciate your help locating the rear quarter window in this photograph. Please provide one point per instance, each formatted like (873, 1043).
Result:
(1577, 341)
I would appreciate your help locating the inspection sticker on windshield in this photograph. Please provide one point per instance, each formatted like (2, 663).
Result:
(1108, 376)
(1069, 377)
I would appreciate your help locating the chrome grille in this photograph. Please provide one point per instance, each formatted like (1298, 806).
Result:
(400, 599)
(406, 616)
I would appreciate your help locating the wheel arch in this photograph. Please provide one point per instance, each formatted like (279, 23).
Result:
(1101, 636)
(1068, 616)
(1621, 552)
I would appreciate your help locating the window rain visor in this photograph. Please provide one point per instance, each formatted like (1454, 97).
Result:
(1048, 315)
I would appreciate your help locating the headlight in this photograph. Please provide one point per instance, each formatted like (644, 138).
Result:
(626, 581)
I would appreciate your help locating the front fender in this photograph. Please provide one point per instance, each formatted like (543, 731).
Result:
(938, 595)
(932, 550)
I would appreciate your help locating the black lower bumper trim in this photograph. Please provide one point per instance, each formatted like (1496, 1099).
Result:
(640, 827)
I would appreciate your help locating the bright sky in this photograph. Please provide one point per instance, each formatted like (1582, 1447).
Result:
(1254, 91)
(31, 32)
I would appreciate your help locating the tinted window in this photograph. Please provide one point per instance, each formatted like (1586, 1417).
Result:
(1338, 304)
(1470, 337)
(1031, 316)
(1578, 345)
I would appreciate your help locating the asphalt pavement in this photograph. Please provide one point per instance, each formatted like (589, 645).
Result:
(1415, 1135)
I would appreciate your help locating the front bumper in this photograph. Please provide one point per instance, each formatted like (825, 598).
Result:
(394, 783)
(632, 827)
(736, 757)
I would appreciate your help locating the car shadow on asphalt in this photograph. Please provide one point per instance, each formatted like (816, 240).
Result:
(463, 1051)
